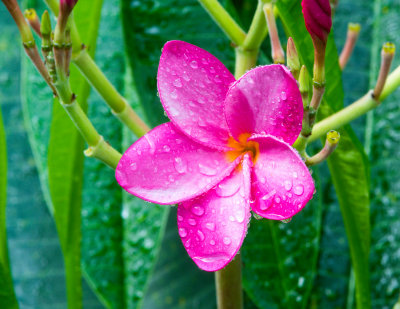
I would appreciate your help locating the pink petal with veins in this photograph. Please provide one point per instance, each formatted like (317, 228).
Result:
(192, 85)
(266, 100)
(213, 226)
(282, 184)
(166, 167)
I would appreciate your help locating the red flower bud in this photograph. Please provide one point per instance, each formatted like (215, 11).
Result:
(68, 3)
(318, 18)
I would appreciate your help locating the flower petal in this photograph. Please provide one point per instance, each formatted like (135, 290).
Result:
(166, 167)
(213, 226)
(282, 184)
(192, 85)
(266, 100)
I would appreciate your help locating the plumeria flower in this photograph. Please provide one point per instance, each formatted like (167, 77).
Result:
(225, 152)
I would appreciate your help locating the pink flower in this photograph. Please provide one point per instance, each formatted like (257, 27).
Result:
(318, 18)
(226, 151)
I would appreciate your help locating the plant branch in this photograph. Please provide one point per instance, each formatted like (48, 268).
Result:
(226, 23)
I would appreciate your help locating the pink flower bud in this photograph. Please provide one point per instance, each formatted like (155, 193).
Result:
(318, 18)
(68, 3)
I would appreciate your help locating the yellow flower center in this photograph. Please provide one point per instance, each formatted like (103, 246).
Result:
(242, 146)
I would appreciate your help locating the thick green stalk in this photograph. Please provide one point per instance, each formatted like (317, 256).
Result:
(229, 285)
(222, 18)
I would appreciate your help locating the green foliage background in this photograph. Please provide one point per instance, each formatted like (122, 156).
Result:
(127, 259)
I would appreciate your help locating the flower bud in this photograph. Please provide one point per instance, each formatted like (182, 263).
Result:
(66, 7)
(31, 16)
(45, 26)
(292, 58)
(318, 18)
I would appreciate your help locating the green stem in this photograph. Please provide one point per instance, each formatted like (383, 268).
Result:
(222, 18)
(118, 104)
(121, 109)
(245, 60)
(344, 116)
(229, 285)
(258, 30)
(356, 109)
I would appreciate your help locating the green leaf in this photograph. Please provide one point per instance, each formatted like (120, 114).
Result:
(348, 166)
(275, 274)
(7, 295)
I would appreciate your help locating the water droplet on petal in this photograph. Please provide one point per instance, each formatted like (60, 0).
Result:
(180, 218)
(133, 166)
(295, 175)
(198, 210)
(200, 234)
(283, 95)
(227, 189)
(266, 200)
(171, 178)
(227, 241)
(212, 242)
(298, 190)
(192, 222)
(166, 148)
(210, 226)
(194, 64)
(277, 199)
(206, 170)
(177, 83)
(180, 165)
(240, 214)
(182, 232)
(151, 144)
(288, 185)
(174, 94)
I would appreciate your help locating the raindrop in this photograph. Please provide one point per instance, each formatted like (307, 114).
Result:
(212, 242)
(206, 170)
(227, 241)
(198, 210)
(204, 61)
(288, 185)
(174, 94)
(266, 200)
(133, 166)
(201, 100)
(277, 199)
(217, 79)
(298, 190)
(194, 64)
(180, 165)
(151, 144)
(192, 222)
(171, 178)
(283, 95)
(177, 83)
(182, 232)
(295, 175)
(185, 76)
(200, 234)
(227, 189)
(180, 218)
(166, 148)
(240, 215)
(210, 226)
(187, 243)
(212, 70)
